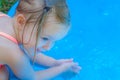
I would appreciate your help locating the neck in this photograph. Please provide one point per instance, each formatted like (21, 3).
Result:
(15, 33)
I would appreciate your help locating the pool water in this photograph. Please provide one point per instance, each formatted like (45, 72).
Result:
(94, 39)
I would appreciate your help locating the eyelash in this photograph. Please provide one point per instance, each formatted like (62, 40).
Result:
(44, 38)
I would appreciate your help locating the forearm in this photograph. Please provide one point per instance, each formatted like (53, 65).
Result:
(45, 60)
(50, 73)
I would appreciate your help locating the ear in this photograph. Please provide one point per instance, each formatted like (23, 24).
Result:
(20, 19)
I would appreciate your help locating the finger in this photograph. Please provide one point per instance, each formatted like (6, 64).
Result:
(76, 71)
(66, 60)
(77, 67)
(69, 60)
(75, 64)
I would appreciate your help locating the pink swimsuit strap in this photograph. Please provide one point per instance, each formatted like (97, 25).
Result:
(8, 37)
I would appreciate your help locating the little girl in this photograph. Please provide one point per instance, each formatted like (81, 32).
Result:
(34, 29)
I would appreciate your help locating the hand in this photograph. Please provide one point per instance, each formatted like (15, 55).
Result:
(75, 68)
(72, 69)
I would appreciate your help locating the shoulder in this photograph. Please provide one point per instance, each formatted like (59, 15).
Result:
(3, 13)
(4, 16)
(5, 20)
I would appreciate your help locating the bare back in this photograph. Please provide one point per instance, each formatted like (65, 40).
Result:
(11, 54)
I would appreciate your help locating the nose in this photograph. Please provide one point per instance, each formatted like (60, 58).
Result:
(47, 46)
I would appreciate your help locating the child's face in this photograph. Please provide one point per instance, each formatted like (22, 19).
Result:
(51, 32)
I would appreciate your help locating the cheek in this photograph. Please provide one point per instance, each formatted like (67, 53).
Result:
(41, 43)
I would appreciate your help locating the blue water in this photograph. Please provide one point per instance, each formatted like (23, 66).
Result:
(94, 39)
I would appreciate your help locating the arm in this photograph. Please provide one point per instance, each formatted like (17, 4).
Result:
(16, 60)
(45, 60)
(21, 67)
(48, 61)
(53, 72)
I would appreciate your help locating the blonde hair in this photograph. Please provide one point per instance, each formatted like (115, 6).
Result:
(37, 11)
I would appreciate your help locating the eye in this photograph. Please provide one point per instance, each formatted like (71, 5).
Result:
(45, 38)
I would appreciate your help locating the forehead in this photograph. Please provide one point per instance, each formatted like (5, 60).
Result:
(55, 30)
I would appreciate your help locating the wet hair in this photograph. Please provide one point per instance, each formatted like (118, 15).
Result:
(37, 11)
